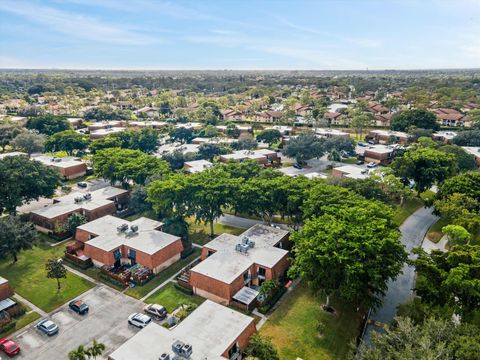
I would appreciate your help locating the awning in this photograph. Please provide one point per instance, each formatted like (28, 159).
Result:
(246, 295)
(6, 304)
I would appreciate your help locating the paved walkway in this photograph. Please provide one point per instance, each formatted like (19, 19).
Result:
(171, 278)
(400, 290)
(32, 306)
(429, 245)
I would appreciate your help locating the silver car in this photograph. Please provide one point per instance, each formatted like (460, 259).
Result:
(47, 327)
(139, 320)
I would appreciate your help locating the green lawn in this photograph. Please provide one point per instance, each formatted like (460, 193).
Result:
(172, 298)
(200, 233)
(294, 327)
(22, 322)
(148, 214)
(28, 278)
(410, 206)
(435, 232)
(140, 291)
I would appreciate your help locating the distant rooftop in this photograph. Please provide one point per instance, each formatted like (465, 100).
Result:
(60, 162)
(77, 200)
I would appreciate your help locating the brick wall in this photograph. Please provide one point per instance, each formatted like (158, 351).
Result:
(243, 339)
(5, 291)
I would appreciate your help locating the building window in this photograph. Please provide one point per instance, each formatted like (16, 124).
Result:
(210, 253)
(132, 254)
(262, 271)
(117, 254)
(234, 352)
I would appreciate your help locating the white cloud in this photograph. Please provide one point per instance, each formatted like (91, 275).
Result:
(77, 25)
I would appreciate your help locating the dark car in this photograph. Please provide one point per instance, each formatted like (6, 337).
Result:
(47, 327)
(360, 162)
(82, 184)
(297, 166)
(78, 306)
(9, 347)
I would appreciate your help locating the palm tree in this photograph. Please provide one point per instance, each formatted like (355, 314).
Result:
(96, 349)
(78, 354)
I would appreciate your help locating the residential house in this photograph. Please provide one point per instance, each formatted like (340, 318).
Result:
(75, 122)
(380, 154)
(197, 166)
(147, 124)
(475, 151)
(303, 110)
(268, 116)
(232, 115)
(386, 136)
(68, 167)
(93, 205)
(101, 133)
(330, 133)
(451, 117)
(334, 118)
(383, 120)
(211, 331)
(350, 171)
(114, 242)
(262, 156)
(444, 136)
(233, 267)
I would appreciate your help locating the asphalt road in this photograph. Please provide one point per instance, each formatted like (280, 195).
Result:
(106, 323)
(400, 290)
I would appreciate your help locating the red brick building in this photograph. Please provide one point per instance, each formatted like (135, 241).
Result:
(5, 290)
(93, 205)
(230, 263)
(68, 167)
(212, 331)
(113, 241)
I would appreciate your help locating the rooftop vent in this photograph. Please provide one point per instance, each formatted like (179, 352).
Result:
(177, 347)
(122, 228)
(78, 199)
(57, 159)
(186, 350)
(164, 356)
(87, 196)
(134, 227)
(243, 248)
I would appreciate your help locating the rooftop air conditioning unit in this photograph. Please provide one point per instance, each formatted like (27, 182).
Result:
(57, 159)
(87, 196)
(244, 248)
(177, 347)
(164, 356)
(245, 240)
(53, 159)
(122, 228)
(78, 199)
(134, 228)
(251, 244)
(187, 350)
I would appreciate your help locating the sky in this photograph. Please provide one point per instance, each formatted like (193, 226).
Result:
(240, 34)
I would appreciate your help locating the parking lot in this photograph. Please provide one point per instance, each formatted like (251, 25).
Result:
(106, 322)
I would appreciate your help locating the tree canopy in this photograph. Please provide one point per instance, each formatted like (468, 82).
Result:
(333, 252)
(304, 147)
(420, 118)
(15, 235)
(125, 165)
(23, 180)
(269, 136)
(68, 140)
(425, 166)
(48, 124)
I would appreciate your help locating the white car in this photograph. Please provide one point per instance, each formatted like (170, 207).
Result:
(139, 320)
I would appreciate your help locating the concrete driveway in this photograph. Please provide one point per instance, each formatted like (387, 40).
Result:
(106, 322)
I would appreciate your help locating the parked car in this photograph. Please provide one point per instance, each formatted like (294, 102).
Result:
(360, 162)
(362, 144)
(371, 165)
(47, 327)
(371, 142)
(9, 347)
(157, 311)
(297, 166)
(139, 320)
(82, 184)
(79, 307)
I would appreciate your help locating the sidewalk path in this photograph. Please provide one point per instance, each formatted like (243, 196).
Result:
(32, 306)
(400, 290)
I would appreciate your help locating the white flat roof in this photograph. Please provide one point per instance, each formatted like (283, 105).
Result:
(107, 131)
(66, 204)
(211, 329)
(380, 149)
(474, 150)
(61, 162)
(227, 264)
(248, 154)
(389, 133)
(351, 171)
(13, 153)
(197, 165)
(147, 239)
(3, 280)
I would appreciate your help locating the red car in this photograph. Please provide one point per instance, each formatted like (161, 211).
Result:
(9, 347)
